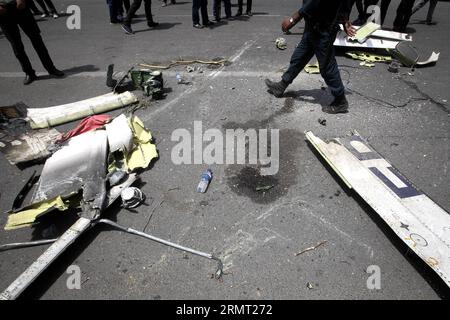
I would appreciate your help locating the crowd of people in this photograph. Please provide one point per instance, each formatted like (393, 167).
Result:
(120, 11)
(405, 10)
(18, 14)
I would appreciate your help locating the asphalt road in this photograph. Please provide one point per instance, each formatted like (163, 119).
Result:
(256, 234)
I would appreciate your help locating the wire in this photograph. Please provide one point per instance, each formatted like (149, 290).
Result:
(378, 101)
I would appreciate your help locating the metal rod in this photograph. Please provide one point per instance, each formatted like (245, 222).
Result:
(50, 255)
(17, 245)
(219, 271)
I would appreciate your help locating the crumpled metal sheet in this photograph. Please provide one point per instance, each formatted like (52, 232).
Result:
(120, 136)
(81, 164)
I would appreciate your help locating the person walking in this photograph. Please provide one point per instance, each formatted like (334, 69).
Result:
(431, 9)
(126, 26)
(16, 14)
(321, 27)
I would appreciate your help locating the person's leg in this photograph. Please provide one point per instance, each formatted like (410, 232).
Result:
(360, 8)
(327, 63)
(240, 4)
(112, 6)
(407, 13)
(433, 4)
(126, 4)
(51, 6)
(227, 5)
(384, 8)
(31, 29)
(249, 6)
(398, 21)
(204, 12)
(195, 15)
(130, 14)
(11, 31)
(329, 71)
(148, 13)
(300, 57)
(216, 9)
(33, 7)
(43, 6)
(419, 6)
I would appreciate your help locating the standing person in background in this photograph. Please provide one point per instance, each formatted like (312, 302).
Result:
(201, 5)
(362, 11)
(126, 26)
(116, 11)
(362, 7)
(16, 14)
(217, 9)
(431, 8)
(48, 3)
(249, 8)
(404, 12)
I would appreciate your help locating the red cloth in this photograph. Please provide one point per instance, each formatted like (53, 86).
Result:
(87, 124)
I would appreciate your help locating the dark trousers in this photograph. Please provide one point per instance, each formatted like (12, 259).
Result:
(201, 5)
(319, 43)
(116, 9)
(135, 6)
(126, 5)
(47, 3)
(404, 11)
(362, 7)
(431, 8)
(241, 4)
(217, 8)
(32, 6)
(10, 23)
(384, 8)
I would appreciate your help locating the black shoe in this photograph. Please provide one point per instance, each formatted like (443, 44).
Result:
(276, 88)
(29, 78)
(127, 29)
(57, 73)
(217, 19)
(152, 24)
(249, 13)
(208, 24)
(339, 105)
(198, 26)
(238, 14)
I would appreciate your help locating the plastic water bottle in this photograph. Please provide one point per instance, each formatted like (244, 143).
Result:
(179, 80)
(204, 181)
